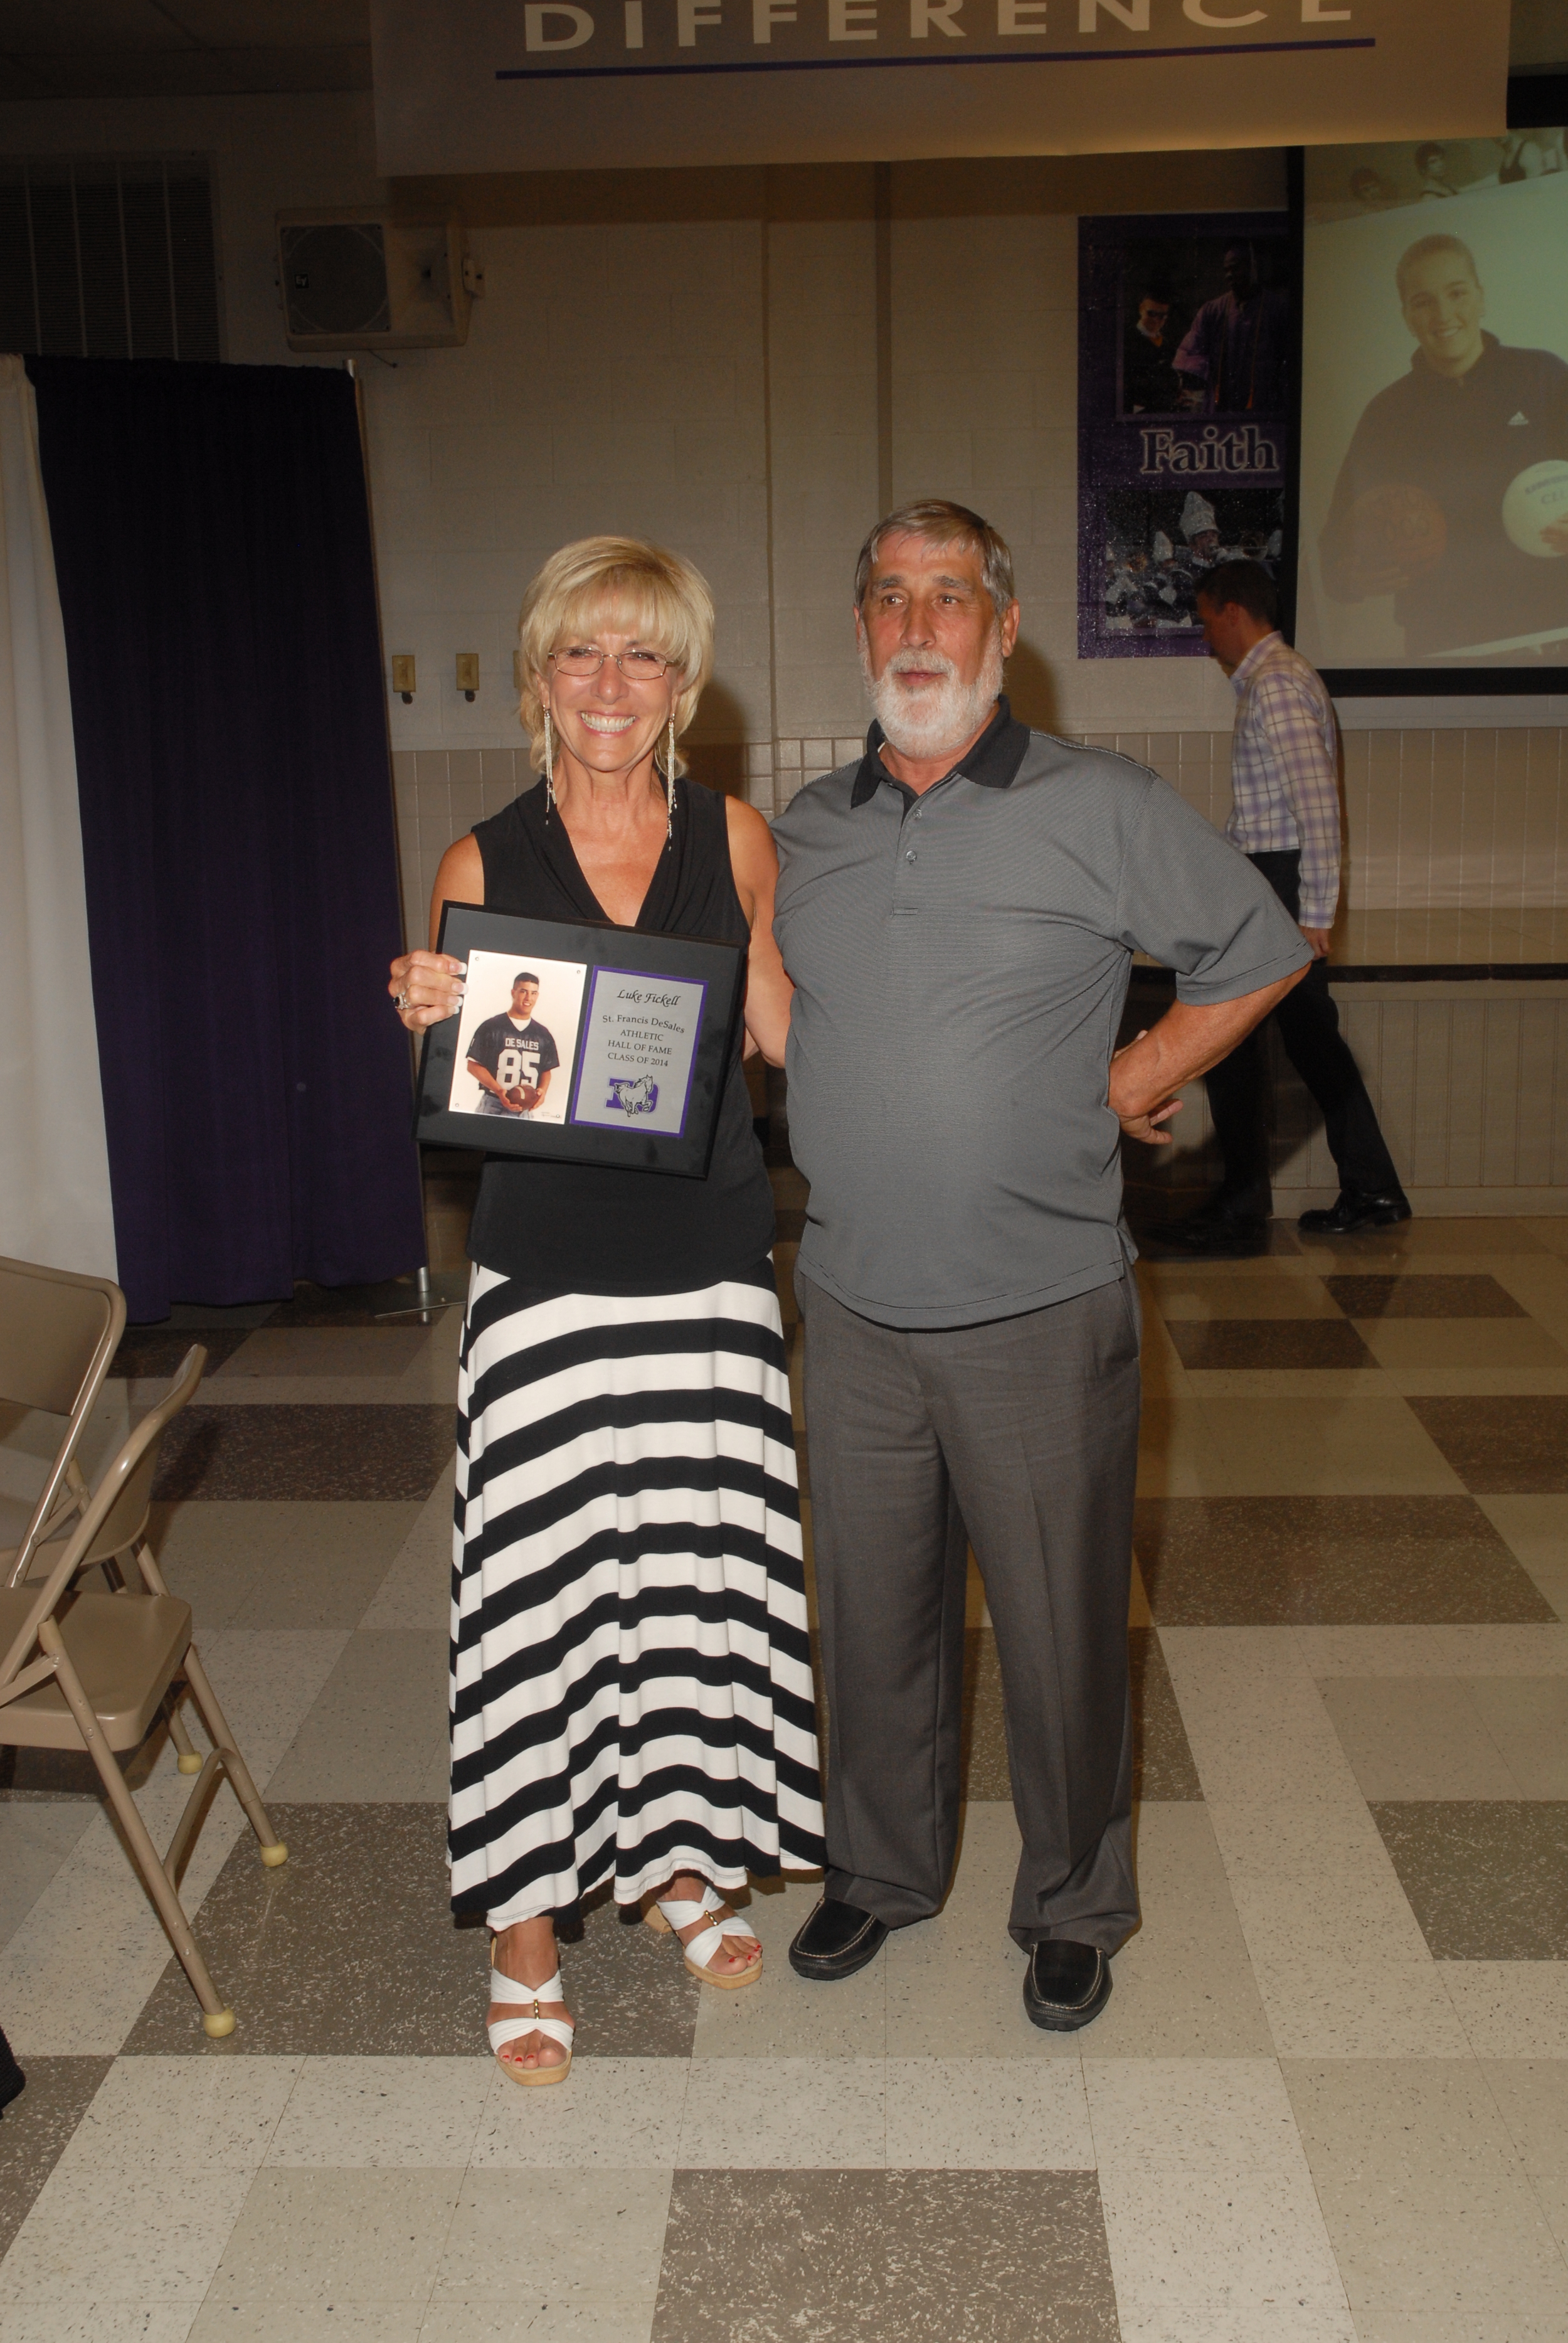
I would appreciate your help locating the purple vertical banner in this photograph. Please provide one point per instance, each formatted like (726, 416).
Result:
(1186, 330)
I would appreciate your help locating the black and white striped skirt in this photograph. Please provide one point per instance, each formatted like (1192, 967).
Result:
(632, 1677)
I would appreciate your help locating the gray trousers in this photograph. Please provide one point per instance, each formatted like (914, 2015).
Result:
(1024, 1433)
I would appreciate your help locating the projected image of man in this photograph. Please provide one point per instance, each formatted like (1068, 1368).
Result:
(1418, 509)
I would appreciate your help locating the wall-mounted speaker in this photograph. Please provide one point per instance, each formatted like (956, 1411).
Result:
(368, 279)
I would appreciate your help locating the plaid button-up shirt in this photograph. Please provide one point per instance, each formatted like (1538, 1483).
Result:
(1284, 770)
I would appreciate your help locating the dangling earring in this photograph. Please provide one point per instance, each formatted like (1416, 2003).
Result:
(549, 767)
(669, 786)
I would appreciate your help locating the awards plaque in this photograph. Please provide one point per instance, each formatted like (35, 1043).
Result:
(589, 1043)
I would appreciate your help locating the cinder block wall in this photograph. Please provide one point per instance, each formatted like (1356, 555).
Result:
(978, 341)
(747, 365)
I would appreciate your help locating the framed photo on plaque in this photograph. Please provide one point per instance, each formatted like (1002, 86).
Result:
(587, 1042)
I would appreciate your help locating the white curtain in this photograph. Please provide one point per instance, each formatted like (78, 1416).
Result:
(54, 1203)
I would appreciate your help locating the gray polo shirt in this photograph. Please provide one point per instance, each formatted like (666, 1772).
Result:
(961, 962)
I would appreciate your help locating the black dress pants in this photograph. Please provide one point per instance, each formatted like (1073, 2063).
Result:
(1309, 1026)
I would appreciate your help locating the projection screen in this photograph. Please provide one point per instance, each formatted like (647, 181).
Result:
(1434, 406)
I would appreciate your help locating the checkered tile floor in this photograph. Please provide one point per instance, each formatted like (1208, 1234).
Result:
(1328, 2102)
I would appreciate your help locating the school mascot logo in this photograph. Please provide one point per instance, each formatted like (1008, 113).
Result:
(633, 1097)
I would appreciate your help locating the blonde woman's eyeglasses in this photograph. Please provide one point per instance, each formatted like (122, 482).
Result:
(587, 659)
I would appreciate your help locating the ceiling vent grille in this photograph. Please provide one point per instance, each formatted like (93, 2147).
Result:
(106, 257)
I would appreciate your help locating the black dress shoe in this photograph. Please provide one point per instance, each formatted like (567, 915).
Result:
(1065, 1985)
(12, 2079)
(1350, 1212)
(1214, 1235)
(837, 1940)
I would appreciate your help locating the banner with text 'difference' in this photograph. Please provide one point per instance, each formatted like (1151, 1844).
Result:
(466, 86)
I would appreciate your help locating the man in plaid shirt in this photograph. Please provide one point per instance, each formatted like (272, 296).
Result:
(1284, 777)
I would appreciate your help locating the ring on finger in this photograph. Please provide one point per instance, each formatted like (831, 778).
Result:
(400, 1001)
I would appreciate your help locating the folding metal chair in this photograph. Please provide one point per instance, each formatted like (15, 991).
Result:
(91, 1670)
(58, 1332)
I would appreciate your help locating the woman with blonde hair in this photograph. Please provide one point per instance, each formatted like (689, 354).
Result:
(631, 1684)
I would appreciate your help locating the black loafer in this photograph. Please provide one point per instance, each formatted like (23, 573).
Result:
(837, 1940)
(13, 2081)
(1065, 1985)
(1216, 1236)
(1350, 1212)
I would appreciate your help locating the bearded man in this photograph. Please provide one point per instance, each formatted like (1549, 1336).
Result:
(959, 911)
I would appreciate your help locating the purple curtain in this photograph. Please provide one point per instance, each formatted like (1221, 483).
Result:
(212, 538)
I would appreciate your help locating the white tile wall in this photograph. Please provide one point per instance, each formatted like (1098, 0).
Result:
(441, 794)
(1434, 819)
(1467, 1085)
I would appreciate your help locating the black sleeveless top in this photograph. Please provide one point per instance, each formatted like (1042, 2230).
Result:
(591, 1228)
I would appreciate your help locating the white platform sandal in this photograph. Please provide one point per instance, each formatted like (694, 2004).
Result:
(665, 1917)
(505, 2030)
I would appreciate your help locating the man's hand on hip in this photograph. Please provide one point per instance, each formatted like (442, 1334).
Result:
(1143, 1125)
(1319, 940)
(1146, 1075)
